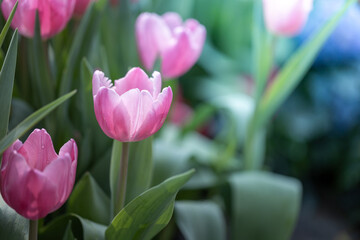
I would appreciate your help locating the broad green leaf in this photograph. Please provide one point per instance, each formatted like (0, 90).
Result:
(7, 75)
(265, 206)
(200, 220)
(161, 222)
(140, 216)
(140, 168)
(89, 201)
(12, 225)
(30, 121)
(68, 235)
(7, 24)
(295, 69)
(81, 228)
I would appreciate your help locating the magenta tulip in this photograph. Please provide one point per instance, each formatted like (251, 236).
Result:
(53, 15)
(34, 180)
(178, 44)
(132, 110)
(286, 17)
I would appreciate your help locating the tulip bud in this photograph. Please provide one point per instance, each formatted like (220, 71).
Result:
(53, 15)
(178, 44)
(286, 17)
(132, 110)
(34, 180)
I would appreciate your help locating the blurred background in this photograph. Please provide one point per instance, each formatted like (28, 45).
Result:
(315, 135)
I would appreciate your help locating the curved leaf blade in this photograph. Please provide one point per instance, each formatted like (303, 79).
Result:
(30, 121)
(138, 219)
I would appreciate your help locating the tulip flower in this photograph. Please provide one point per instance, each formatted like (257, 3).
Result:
(34, 180)
(178, 44)
(53, 15)
(286, 17)
(132, 110)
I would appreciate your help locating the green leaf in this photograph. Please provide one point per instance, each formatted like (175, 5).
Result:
(68, 235)
(7, 24)
(265, 206)
(30, 121)
(295, 69)
(161, 222)
(81, 228)
(7, 75)
(12, 225)
(89, 201)
(200, 220)
(138, 219)
(140, 168)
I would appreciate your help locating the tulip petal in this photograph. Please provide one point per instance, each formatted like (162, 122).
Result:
(135, 78)
(53, 15)
(156, 79)
(161, 108)
(69, 148)
(172, 20)
(286, 17)
(6, 155)
(179, 58)
(144, 119)
(105, 102)
(61, 179)
(27, 190)
(153, 36)
(38, 149)
(99, 80)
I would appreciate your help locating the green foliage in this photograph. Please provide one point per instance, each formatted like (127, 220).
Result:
(149, 211)
(30, 121)
(81, 229)
(7, 24)
(6, 84)
(264, 206)
(89, 201)
(200, 220)
(12, 225)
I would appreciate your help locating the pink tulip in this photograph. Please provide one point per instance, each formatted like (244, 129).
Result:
(178, 44)
(53, 14)
(133, 109)
(34, 180)
(286, 17)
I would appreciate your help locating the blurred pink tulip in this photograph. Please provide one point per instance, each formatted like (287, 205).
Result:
(81, 6)
(34, 180)
(53, 14)
(286, 17)
(133, 109)
(178, 44)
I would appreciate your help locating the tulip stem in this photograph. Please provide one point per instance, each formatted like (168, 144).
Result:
(122, 179)
(33, 229)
